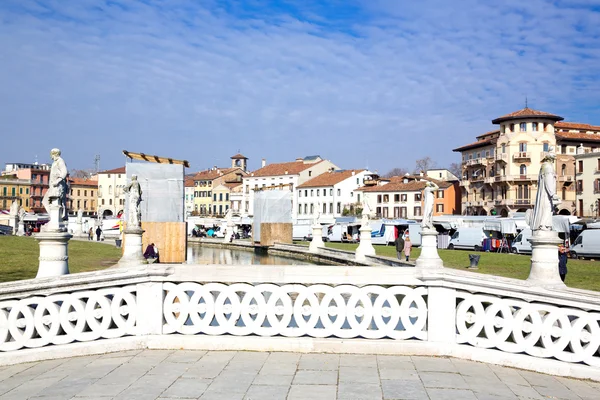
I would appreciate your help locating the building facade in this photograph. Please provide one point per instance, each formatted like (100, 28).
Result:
(11, 189)
(83, 196)
(205, 201)
(587, 183)
(283, 176)
(189, 195)
(111, 198)
(402, 197)
(330, 195)
(500, 169)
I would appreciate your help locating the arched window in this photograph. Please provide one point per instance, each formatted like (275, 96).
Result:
(100, 191)
(512, 127)
(564, 193)
(563, 170)
(110, 190)
(482, 194)
(523, 169)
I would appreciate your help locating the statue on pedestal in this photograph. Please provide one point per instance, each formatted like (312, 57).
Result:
(14, 209)
(79, 216)
(428, 199)
(134, 210)
(541, 217)
(57, 184)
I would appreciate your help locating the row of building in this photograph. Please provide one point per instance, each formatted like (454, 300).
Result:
(499, 176)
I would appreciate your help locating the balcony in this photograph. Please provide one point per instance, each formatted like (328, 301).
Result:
(490, 179)
(523, 202)
(565, 178)
(478, 178)
(502, 157)
(464, 182)
(476, 161)
(521, 178)
(504, 202)
(467, 203)
(522, 156)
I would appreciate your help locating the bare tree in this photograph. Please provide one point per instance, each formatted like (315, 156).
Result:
(396, 172)
(423, 164)
(80, 173)
(456, 169)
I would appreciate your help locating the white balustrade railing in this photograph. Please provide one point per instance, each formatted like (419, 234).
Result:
(453, 312)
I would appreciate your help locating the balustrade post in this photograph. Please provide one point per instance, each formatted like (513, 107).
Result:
(150, 299)
(441, 315)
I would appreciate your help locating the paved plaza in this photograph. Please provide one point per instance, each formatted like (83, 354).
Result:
(165, 374)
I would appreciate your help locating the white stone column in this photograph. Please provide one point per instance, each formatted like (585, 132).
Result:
(365, 247)
(441, 315)
(21, 230)
(429, 257)
(54, 242)
(133, 254)
(149, 318)
(544, 259)
(317, 238)
(13, 223)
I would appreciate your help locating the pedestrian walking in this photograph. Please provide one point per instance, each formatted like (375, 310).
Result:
(407, 247)
(563, 256)
(399, 242)
(91, 234)
(98, 233)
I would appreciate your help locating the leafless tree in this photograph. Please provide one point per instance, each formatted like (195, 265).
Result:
(456, 169)
(80, 173)
(423, 164)
(396, 172)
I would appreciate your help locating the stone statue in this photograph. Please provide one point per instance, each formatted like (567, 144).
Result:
(318, 213)
(428, 199)
(134, 210)
(14, 209)
(80, 216)
(21, 214)
(57, 184)
(541, 217)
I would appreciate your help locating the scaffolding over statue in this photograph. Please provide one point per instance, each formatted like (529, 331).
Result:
(134, 211)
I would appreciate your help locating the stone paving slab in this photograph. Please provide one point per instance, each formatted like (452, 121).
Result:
(230, 375)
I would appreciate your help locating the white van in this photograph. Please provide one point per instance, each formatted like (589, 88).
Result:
(587, 244)
(467, 238)
(521, 244)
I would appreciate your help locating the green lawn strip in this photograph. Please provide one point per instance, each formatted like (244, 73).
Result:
(19, 257)
(583, 274)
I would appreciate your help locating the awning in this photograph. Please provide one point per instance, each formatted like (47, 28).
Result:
(560, 223)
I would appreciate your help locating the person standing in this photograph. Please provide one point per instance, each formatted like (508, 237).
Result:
(91, 234)
(563, 256)
(399, 242)
(98, 233)
(407, 247)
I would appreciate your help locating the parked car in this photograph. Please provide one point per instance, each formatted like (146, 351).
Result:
(521, 244)
(587, 244)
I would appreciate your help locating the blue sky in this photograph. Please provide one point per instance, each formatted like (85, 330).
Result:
(377, 83)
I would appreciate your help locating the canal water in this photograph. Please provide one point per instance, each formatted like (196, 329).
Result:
(197, 254)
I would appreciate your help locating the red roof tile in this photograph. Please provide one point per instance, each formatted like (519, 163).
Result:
(490, 133)
(586, 137)
(399, 186)
(83, 182)
(526, 113)
(120, 170)
(479, 143)
(238, 156)
(292, 168)
(330, 178)
(211, 174)
(576, 125)
(189, 182)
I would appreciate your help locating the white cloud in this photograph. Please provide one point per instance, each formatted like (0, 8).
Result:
(383, 87)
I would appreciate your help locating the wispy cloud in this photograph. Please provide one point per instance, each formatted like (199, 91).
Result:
(376, 82)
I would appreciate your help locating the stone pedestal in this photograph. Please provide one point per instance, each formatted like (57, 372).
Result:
(317, 238)
(429, 257)
(21, 230)
(365, 248)
(78, 231)
(54, 253)
(544, 259)
(56, 224)
(133, 254)
(13, 222)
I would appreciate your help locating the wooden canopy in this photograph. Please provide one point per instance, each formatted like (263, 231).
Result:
(155, 159)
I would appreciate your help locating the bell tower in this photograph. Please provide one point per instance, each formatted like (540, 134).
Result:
(239, 161)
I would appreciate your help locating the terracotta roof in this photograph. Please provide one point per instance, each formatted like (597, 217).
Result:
(238, 156)
(479, 143)
(120, 170)
(526, 113)
(581, 136)
(400, 186)
(490, 133)
(83, 182)
(189, 182)
(576, 125)
(211, 174)
(330, 178)
(292, 168)
(232, 185)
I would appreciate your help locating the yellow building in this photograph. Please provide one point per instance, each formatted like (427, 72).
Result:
(83, 196)
(12, 189)
(500, 170)
(209, 202)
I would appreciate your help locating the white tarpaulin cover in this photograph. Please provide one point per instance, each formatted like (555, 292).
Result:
(505, 225)
(560, 223)
(273, 206)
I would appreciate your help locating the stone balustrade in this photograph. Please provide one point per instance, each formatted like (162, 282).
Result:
(345, 309)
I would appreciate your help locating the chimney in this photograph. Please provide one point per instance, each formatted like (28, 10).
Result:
(422, 173)
(353, 173)
(263, 163)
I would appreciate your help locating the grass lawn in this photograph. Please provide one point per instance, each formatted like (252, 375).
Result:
(582, 274)
(19, 257)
